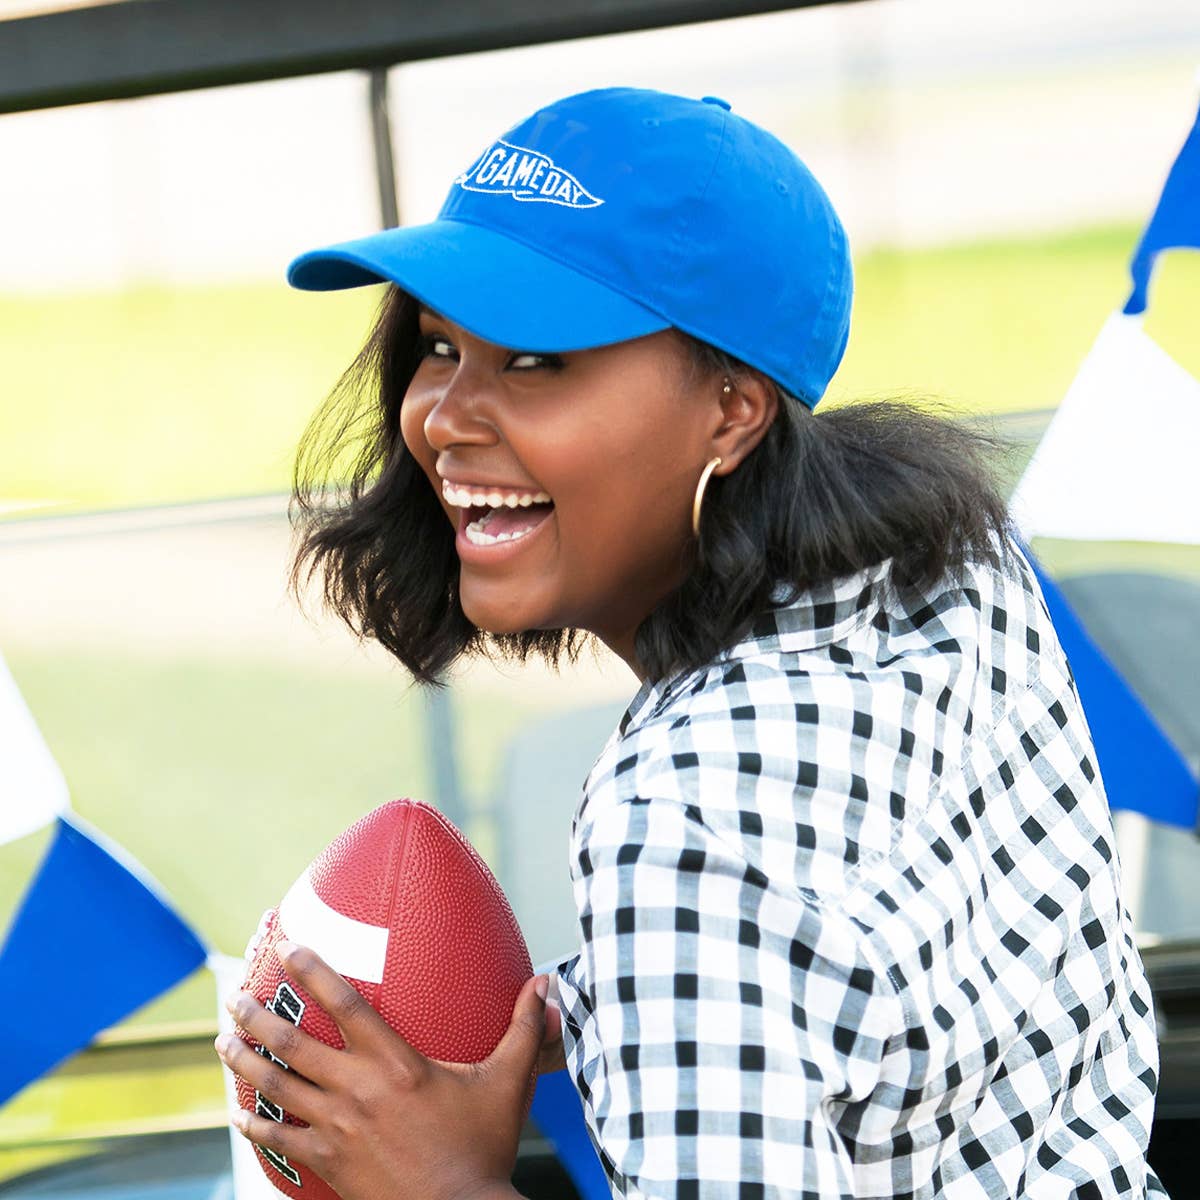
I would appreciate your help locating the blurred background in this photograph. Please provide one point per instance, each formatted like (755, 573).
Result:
(994, 166)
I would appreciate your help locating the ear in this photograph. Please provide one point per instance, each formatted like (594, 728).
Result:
(747, 411)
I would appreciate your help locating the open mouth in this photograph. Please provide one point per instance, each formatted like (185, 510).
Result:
(490, 516)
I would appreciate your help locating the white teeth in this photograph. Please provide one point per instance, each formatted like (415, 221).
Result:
(477, 537)
(462, 497)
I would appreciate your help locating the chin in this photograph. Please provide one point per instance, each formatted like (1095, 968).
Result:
(491, 620)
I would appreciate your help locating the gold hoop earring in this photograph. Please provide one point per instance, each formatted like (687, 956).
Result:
(711, 466)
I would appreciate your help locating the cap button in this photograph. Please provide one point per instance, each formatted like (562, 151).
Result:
(717, 101)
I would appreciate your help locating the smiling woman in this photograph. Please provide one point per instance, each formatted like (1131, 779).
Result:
(850, 920)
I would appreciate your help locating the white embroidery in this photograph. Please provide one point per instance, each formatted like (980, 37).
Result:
(508, 170)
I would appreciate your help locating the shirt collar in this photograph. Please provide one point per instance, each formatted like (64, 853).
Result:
(817, 617)
(821, 615)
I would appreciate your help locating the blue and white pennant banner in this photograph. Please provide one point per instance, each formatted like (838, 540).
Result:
(1118, 463)
(90, 915)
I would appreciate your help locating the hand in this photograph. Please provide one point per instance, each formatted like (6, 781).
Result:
(552, 1057)
(385, 1122)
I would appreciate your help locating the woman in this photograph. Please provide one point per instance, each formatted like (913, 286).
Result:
(849, 909)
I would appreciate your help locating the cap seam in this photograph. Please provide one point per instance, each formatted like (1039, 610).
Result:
(678, 242)
(830, 288)
(716, 157)
(802, 394)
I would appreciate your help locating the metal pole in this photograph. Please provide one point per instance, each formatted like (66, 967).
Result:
(385, 159)
(439, 705)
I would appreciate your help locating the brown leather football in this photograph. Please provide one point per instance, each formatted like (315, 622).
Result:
(403, 907)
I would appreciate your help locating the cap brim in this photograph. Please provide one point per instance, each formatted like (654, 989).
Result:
(494, 287)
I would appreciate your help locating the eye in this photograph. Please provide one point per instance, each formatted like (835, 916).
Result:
(433, 345)
(437, 345)
(526, 360)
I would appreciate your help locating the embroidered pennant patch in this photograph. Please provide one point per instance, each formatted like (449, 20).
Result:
(510, 170)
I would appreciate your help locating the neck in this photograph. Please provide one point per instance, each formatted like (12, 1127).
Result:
(622, 646)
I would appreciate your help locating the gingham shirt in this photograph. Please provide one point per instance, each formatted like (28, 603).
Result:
(850, 917)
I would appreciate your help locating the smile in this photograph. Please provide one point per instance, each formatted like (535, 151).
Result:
(464, 495)
(492, 515)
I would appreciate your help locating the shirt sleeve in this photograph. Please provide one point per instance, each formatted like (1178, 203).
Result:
(737, 1025)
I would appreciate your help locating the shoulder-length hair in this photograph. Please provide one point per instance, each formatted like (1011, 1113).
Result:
(824, 495)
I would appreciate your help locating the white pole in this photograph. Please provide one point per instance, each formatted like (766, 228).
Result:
(249, 1180)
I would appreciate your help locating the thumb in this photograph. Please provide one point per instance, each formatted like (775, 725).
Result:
(518, 1050)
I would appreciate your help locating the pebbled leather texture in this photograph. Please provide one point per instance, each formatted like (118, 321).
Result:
(456, 957)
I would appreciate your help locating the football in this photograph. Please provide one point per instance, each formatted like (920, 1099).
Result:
(403, 907)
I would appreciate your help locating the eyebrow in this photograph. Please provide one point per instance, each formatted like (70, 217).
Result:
(424, 308)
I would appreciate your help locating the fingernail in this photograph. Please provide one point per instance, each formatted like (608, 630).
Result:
(542, 986)
(283, 947)
(222, 1043)
(238, 1120)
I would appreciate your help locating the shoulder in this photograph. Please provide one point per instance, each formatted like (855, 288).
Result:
(809, 745)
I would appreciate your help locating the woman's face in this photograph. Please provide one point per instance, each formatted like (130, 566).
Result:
(568, 478)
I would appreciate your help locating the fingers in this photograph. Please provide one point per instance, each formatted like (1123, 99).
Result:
(289, 1044)
(521, 1044)
(347, 1006)
(553, 1024)
(552, 1056)
(273, 1081)
(360, 1025)
(551, 1059)
(281, 1141)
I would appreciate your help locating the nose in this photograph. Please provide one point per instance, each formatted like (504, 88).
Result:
(462, 413)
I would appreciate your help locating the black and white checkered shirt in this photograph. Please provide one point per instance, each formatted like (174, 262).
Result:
(850, 917)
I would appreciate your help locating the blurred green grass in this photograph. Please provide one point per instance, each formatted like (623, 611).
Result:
(151, 395)
(1001, 326)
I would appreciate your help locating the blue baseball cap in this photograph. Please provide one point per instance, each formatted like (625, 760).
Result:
(617, 213)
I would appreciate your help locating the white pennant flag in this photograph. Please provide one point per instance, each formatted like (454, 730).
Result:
(32, 788)
(1119, 460)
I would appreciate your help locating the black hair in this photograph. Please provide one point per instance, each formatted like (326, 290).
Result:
(824, 494)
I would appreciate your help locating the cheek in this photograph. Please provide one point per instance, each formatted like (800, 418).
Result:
(627, 502)
(413, 412)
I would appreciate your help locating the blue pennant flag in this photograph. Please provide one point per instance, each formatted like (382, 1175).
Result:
(1175, 223)
(557, 1113)
(92, 941)
(1141, 768)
